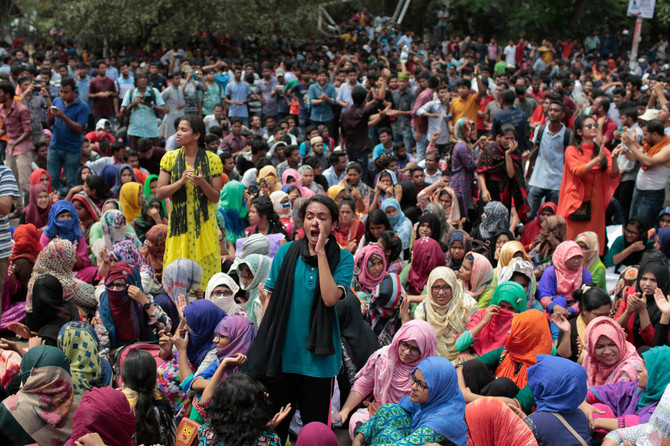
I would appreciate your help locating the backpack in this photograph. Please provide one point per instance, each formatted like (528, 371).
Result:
(567, 136)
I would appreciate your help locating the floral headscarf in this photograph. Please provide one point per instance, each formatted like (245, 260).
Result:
(259, 266)
(366, 282)
(462, 131)
(480, 277)
(125, 251)
(80, 344)
(180, 277)
(56, 259)
(496, 217)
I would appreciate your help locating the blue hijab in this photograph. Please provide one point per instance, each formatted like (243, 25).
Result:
(109, 175)
(202, 317)
(444, 412)
(401, 224)
(558, 384)
(119, 171)
(66, 229)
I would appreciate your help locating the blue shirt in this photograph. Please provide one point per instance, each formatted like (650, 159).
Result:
(82, 91)
(548, 170)
(379, 150)
(64, 138)
(222, 79)
(296, 358)
(324, 111)
(238, 91)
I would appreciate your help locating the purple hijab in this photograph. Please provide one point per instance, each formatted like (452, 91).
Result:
(202, 317)
(623, 398)
(241, 334)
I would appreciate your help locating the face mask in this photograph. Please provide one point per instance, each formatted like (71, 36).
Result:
(286, 205)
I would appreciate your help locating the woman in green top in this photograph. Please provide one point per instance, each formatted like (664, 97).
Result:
(588, 241)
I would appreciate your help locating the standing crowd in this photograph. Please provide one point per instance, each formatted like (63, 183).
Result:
(413, 242)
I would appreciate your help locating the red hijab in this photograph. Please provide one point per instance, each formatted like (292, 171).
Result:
(35, 215)
(426, 256)
(36, 177)
(26, 243)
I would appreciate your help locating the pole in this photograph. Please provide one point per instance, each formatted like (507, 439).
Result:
(636, 43)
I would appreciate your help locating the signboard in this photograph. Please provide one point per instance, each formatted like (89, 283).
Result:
(641, 8)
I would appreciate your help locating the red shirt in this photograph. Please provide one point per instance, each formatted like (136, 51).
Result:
(102, 107)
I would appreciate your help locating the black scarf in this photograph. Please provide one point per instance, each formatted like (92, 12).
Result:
(179, 217)
(265, 354)
(656, 264)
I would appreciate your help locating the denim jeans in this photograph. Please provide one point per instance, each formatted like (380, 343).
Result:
(56, 159)
(646, 205)
(535, 196)
(421, 147)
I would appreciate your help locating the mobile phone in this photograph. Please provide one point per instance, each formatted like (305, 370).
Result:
(54, 108)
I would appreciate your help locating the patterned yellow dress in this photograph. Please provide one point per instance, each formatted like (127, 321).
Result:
(192, 226)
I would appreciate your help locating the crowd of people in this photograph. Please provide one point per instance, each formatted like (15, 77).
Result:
(405, 240)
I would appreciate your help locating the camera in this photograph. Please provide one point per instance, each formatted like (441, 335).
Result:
(148, 100)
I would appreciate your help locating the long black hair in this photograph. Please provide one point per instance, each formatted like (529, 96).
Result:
(434, 224)
(579, 125)
(240, 410)
(139, 374)
(592, 299)
(265, 207)
(376, 217)
(98, 184)
(391, 241)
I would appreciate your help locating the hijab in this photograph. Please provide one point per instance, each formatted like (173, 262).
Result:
(524, 267)
(656, 361)
(90, 206)
(269, 174)
(567, 280)
(495, 217)
(385, 300)
(390, 374)
(49, 310)
(508, 251)
(202, 317)
(36, 178)
(529, 336)
(628, 362)
(445, 227)
(129, 197)
(234, 209)
(113, 227)
(240, 333)
(57, 260)
(65, 229)
(142, 224)
(426, 256)
(552, 232)
(45, 405)
(93, 417)
(26, 243)
(462, 131)
(118, 184)
(362, 275)
(305, 192)
(480, 276)
(493, 335)
(282, 210)
(491, 423)
(180, 277)
(255, 244)
(558, 384)
(401, 224)
(108, 174)
(590, 239)
(147, 190)
(454, 213)
(334, 191)
(123, 317)
(664, 241)
(80, 344)
(458, 235)
(155, 246)
(33, 214)
(316, 434)
(227, 304)
(125, 251)
(444, 412)
(259, 266)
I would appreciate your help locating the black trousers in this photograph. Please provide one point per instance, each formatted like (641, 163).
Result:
(310, 395)
(481, 381)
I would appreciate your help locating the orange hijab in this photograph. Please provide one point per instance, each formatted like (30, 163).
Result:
(653, 150)
(529, 336)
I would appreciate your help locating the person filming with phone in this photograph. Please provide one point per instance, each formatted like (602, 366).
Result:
(143, 106)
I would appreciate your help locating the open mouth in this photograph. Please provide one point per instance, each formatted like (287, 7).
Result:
(314, 235)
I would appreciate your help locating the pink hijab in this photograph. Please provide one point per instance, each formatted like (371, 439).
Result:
(481, 276)
(391, 375)
(628, 363)
(567, 281)
(304, 191)
(366, 282)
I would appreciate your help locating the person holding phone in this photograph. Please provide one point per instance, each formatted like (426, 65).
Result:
(143, 104)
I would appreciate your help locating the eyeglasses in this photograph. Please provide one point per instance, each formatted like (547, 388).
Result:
(600, 314)
(420, 385)
(437, 289)
(117, 285)
(219, 293)
(406, 346)
(628, 231)
(591, 126)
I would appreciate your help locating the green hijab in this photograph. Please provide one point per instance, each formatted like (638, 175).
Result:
(234, 209)
(512, 293)
(656, 361)
(147, 191)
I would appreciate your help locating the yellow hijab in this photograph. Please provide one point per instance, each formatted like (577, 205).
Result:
(129, 198)
(269, 174)
(334, 191)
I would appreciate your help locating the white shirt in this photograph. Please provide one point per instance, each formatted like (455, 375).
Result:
(510, 54)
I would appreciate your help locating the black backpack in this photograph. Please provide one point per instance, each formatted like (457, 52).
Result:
(567, 136)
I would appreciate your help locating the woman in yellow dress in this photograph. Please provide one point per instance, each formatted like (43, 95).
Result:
(191, 177)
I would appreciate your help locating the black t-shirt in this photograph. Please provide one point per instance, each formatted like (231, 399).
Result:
(388, 97)
(242, 164)
(153, 164)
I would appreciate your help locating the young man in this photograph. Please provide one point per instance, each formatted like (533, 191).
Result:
(317, 150)
(256, 129)
(322, 97)
(385, 144)
(266, 91)
(338, 163)
(238, 94)
(234, 142)
(509, 114)
(437, 112)
(420, 122)
(606, 127)
(247, 160)
(229, 166)
(344, 98)
(403, 99)
(149, 155)
(173, 96)
(104, 95)
(292, 161)
(628, 167)
(213, 95)
(125, 82)
(466, 104)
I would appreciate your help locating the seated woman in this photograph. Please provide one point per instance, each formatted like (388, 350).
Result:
(572, 341)
(49, 309)
(124, 174)
(337, 193)
(152, 214)
(369, 271)
(64, 224)
(131, 198)
(125, 251)
(386, 187)
(111, 228)
(401, 224)
(375, 224)
(552, 232)
(125, 313)
(382, 312)
(521, 272)
(627, 278)
(350, 228)
(559, 388)
(426, 256)
(507, 251)
(307, 181)
(475, 274)
(495, 245)
(234, 209)
(154, 248)
(638, 313)
(95, 188)
(392, 246)
(88, 212)
(39, 205)
(532, 229)
(41, 412)
(491, 422)
(241, 411)
(253, 271)
(628, 248)
(495, 217)
(181, 278)
(385, 375)
(428, 226)
(588, 241)
(447, 308)
(503, 372)
(282, 206)
(460, 244)
(221, 290)
(563, 278)
(153, 412)
(352, 181)
(445, 228)
(433, 412)
(263, 219)
(631, 403)
(201, 318)
(488, 328)
(80, 344)
(233, 337)
(24, 255)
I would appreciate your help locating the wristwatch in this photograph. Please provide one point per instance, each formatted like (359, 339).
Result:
(147, 305)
